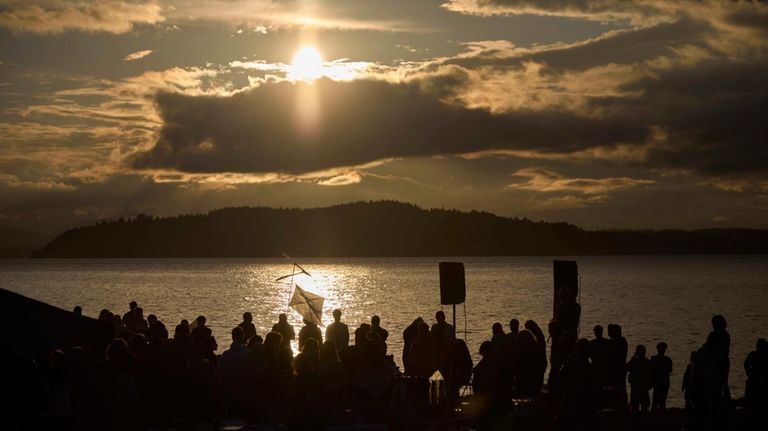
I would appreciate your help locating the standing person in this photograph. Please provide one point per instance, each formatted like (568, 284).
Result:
(309, 331)
(599, 351)
(249, 329)
(639, 368)
(409, 336)
(661, 368)
(423, 356)
(556, 359)
(442, 331)
(285, 329)
(541, 350)
(458, 370)
(688, 383)
(756, 367)
(200, 333)
(580, 389)
(338, 332)
(721, 345)
(377, 330)
(617, 363)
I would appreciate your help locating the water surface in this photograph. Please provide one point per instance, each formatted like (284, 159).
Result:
(654, 298)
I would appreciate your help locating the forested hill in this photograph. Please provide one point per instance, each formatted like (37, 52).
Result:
(376, 229)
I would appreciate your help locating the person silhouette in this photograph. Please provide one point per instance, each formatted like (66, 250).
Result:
(639, 368)
(661, 368)
(756, 368)
(599, 352)
(580, 388)
(423, 356)
(688, 387)
(721, 344)
(285, 329)
(249, 329)
(617, 362)
(309, 331)
(78, 310)
(200, 332)
(442, 331)
(338, 332)
(377, 330)
(409, 336)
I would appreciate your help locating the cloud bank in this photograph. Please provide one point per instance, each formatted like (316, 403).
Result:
(58, 16)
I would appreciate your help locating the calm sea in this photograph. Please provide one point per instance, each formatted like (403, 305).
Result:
(654, 298)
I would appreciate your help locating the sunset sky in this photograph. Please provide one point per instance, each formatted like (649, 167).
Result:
(605, 114)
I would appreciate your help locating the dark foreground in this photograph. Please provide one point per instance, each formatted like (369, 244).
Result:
(63, 371)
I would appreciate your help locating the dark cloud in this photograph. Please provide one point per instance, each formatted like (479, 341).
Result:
(713, 115)
(359, 122)
(620, 47)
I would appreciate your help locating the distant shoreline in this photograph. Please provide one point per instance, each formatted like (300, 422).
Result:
(379, 229)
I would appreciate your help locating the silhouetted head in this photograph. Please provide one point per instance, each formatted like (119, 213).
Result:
(375, 321)
(532, 326)
(238, 336)
(337, 315)
(283, 358)
(151, 319)
(309, 323)
(555, 328)
(497, 329)
(417, 321)
(255, 342)
(272, 342)
(719, 323)
(661, 348)
(514, 326)
(640, 351)
(423, 330)
(485, 349)
(460, 347)
(139, 312)
(282, 318)
(117, 348)
(137, 344)
(361, 334)
(614, 330)
(132, 306)
(200, 320)
(247, 317)
(598, 330)
(303, 365)
(526, 339)
(440, 316)
(105, 315)
(78, 310)
(311, 348)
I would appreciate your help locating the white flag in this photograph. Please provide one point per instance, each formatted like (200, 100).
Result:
(309, 305)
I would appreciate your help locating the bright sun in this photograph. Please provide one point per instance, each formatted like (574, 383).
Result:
(307, 64)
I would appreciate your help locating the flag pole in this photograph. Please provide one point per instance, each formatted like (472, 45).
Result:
(290, 289)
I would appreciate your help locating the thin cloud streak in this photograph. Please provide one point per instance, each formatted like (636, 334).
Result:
(138, 55)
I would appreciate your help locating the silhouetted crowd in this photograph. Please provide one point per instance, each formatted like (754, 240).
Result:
(149, 377)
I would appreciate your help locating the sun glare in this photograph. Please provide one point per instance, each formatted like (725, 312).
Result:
(307, 64)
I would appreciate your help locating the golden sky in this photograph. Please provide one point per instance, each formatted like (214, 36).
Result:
(606, 113)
